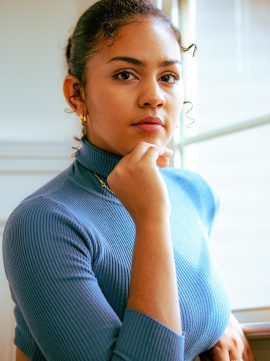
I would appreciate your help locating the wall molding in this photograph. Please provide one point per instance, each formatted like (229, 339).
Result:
(42, 157)
(44, 149)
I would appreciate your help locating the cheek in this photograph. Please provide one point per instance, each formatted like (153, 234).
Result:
(176, 106)
(177, 99)
(109, 98)
(106, 113)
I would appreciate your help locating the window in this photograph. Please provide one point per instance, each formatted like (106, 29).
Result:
(229, 84)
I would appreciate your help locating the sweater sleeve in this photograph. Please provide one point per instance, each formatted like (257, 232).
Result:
(48, 265)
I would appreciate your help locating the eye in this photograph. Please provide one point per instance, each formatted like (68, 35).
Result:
(170, 78)
(124, 75)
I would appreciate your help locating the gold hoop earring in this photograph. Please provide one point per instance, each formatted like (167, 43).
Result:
(83, 119)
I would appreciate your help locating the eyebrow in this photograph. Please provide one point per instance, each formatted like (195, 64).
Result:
(137, 62)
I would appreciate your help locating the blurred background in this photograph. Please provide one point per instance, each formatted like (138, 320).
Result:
(228, 82)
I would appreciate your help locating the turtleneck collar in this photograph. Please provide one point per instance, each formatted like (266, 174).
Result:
(96, 160)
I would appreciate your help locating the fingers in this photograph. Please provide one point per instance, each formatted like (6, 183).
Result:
(237, 356)
(152, 153)
(233, 344)
(220, 355)
(249, 355)
(217, 354)
(158, 156)
(246, 352)
(163, 162)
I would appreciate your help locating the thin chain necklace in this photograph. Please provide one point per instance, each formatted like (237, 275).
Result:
(104, 185)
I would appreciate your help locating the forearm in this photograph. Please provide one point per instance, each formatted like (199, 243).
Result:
(153, 288)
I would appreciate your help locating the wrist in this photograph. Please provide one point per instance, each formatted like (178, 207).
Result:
(157, 218)
(153, 223)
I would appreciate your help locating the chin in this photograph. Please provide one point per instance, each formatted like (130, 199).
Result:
(124, 149)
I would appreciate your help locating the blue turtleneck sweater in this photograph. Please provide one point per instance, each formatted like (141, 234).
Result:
(68, 255)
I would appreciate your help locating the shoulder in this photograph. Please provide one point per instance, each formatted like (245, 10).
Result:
(43, 214)
(197, 188)
(34, 219)
(46, 204)
(45, 218)
(39, 233)
(191, 182)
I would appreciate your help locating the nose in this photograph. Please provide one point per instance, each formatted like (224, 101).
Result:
(151, 95)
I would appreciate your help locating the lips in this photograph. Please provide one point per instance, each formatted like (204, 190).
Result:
(150, 120)
(149, 124)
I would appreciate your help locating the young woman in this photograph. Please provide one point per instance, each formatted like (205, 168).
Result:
(109, 260)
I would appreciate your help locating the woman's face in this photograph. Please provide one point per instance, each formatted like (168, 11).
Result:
(134, 89)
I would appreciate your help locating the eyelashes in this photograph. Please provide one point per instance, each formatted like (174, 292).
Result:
(171, 78)
(126, 75)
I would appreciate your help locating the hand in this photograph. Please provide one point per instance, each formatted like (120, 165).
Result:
(138, 183)
(233, 345)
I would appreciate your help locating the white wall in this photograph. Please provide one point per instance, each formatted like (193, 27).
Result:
(35, 132)
(33, 37)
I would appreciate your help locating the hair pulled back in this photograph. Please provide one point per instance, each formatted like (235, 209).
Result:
(101, 22)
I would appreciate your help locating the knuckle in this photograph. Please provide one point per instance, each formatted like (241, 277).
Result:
(129, 167)
(221, 344)
(143, 145)
(141, 167)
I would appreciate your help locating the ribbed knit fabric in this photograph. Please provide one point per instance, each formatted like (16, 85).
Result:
(68, 255)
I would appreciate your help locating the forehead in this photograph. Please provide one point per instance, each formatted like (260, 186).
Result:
(146, 39)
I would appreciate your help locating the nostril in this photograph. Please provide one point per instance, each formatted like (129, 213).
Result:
(151, 99)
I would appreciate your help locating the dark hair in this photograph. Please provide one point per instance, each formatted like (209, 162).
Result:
(101, 22)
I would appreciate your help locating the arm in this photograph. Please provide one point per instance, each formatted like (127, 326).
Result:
(49, 269)
(153, 288)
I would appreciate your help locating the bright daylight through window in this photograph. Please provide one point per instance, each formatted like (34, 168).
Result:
(231, 86)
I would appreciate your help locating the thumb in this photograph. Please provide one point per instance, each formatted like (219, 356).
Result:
(163, 159)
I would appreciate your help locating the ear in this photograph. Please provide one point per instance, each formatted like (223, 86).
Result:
(74, 94)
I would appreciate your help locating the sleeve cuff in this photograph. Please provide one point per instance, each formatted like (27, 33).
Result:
(144, 338)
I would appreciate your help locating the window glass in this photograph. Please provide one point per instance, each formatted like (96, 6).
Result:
(233, 61)
(238, 166)
(232, 84)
